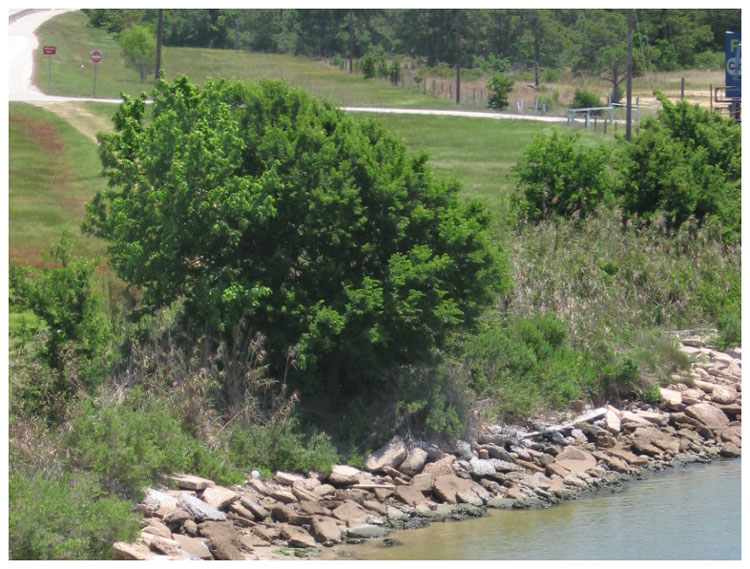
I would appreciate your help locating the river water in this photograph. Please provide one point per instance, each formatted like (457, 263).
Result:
(690, 512)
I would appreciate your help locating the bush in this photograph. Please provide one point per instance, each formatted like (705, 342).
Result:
(710, 60)
(62, 297)
(132, 445)
(67, 518)
(368, 66)
(559, 177)
(499, 87)
(684, 163)
(583, 99)
(395, 72)
(318, 229)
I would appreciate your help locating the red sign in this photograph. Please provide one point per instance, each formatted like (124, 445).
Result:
(49, 50)
(96, 56)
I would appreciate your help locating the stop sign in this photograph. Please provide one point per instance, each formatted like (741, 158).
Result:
(96, 56)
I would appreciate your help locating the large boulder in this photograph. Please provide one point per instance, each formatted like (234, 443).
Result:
(441, 467)
(325, 530)
(219, 497)
(481, 468)
(414, 462)
(448, 485)
(722, 395)
(199, 510)
(707, 415)
(410, 495)
(392, 454)
(223, 540)
(576, 459)
(350, 513)
(343, 475)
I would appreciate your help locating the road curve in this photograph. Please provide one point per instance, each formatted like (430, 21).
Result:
(23, 41)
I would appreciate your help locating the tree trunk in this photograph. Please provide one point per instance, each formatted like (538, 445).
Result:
(536, 60)
(458, 56)
(351, 40)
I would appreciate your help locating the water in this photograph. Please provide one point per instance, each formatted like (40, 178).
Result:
(685, 513)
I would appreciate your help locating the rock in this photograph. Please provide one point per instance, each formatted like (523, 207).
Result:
(651, 436)
(617, 464)
(155, 527)
(708, 415)
(189, 527)
(219, 497)
(671, 399)
(659, 419)
(302, 493)
(500, 503)
(190, 482)
(392, 454)
(282, 513)
(258, 511)
(441, 467)
(311, 508)
(504, 465)
(722, 395)
(323, 490)
(161, 545)
(257, 485)
(241, 515)
(729, 450)
(195, 548)
(223, 541)
(342, 475)
(423, 482)
(296, 536)
(131, 551)
(414, 462)
(367, 531)
(447, 485)
(325, 530)
(288, 478)
(496, 451)
(283, 496)
(633, 420)
(554, 468)
(199, 510)
(350, 513)
(156, 499)
(481, 468)
(463, 450)
(394, 513)
(375, 506)
(409, 495)
(469, 497)
(575, 459)
(528, 465)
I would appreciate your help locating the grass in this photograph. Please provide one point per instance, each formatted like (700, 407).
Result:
(53, 172)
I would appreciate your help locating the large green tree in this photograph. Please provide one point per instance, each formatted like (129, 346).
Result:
(257, 203)
(138, 45)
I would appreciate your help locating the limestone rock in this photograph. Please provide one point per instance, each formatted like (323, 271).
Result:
(612, 421)
(325, 530)
(131, 551)
(448, 485)
(156, 527)
(199, 510)
(409, 495)
(283, 496)
(722, 395)
(259, 512)
(670, 398)
(392, 454)
(730, 450)
(195, 548)
(342, 475)
(441, 467)
(575, 459)
(288, 478)
(423, 482)
(469, 497)
(481, 468)
(219, 497)
(156, 499)
(367, 531)
(350, 513)
(190, 482)
(708, 415)
(323, 490)
(633, 420)
(223, 540)
(296, 536)
(463, 450)
(504, 465)
(414, 462)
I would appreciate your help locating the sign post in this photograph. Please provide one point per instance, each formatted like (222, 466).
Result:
(49, 51)
(96, 57)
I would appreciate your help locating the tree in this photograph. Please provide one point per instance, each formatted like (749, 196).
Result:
(685, 162)
(257, 203)
(499, 87)
(602, 46)
(558, 177)
(139, 49)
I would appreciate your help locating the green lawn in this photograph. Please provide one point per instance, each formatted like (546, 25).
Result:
(53, 172)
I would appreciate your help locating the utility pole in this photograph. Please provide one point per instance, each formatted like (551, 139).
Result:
(157, 72)
(458, 56)
(629, 86)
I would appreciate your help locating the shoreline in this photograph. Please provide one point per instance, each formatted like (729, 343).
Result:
(402, 486)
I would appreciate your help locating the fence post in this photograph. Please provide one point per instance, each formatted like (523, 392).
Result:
(595, 124)
(682, 89)
(711, 98)
(605, 127)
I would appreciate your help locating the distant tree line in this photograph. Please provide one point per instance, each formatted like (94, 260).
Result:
(584, 40)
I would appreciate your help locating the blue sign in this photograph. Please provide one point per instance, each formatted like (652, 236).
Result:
(733, 81)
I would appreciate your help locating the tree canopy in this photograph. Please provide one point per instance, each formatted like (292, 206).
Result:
(258, 204)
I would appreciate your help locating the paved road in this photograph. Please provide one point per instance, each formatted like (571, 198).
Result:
(23, 42)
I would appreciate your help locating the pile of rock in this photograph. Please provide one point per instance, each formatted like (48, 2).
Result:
(698, 419)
